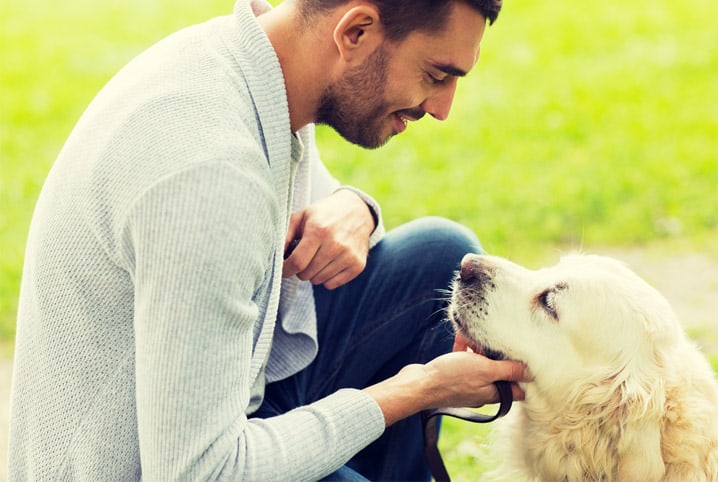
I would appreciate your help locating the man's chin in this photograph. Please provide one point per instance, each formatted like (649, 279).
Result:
(363, 140)
(377, 145)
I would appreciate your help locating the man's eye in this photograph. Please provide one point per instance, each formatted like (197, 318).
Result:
(433, 79)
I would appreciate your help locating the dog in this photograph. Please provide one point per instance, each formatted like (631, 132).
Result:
(619, 391)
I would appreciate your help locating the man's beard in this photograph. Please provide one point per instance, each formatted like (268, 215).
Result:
(355, 106)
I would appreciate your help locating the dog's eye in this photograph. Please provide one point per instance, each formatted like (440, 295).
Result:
(547, 300)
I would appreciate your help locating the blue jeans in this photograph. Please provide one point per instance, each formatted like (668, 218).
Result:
(388, 317)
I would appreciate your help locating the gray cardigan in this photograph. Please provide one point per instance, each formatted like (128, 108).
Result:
(150, 312)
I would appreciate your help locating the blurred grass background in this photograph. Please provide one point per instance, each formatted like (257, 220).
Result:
(584, 124)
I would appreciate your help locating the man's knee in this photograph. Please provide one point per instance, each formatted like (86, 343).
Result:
(429, 247)
(439, 238)
(450, 233)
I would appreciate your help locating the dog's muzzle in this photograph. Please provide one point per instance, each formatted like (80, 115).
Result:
(474, 271)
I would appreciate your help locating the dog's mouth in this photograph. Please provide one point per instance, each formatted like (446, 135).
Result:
(493, 354)
(469, 306)
(489, 352)
(478, 347)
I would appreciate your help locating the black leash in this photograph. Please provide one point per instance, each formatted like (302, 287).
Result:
(429, 419)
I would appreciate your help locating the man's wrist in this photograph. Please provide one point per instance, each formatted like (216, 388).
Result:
(369, 202)
(406, 393)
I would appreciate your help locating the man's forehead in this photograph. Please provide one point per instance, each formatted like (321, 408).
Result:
(455, 58)
(455, 49)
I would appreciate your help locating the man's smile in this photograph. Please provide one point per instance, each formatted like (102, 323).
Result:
(403, 117)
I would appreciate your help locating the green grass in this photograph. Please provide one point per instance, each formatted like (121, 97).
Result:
(584, 123)
(589, 125)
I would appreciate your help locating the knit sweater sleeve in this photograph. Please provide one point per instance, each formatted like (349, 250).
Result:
(197, 274)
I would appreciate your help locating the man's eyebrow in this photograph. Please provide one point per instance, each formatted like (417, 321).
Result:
(450, 69)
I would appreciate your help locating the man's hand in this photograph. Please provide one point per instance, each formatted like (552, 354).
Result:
(462, 344)
(458, 379)
(468, 378)
(333, 236)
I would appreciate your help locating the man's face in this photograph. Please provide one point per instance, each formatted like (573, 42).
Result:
(401, 81)
(355, 105)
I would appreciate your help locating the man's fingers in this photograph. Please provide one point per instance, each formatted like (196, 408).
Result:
(512, 371)
(337, 272)
(290, 247)
(341, 278)
(323, 274)
(460, 343)
(311, 261)
(302, 257)
(517, 393)
(294, 229)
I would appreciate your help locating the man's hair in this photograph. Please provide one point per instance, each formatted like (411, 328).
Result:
(401, 17)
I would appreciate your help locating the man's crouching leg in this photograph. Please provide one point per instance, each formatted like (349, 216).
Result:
(390, 316)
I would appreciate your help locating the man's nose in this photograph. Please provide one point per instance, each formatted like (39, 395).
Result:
(438, 104)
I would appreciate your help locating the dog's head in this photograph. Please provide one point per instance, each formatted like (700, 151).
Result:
(619, 393)
(587, 314)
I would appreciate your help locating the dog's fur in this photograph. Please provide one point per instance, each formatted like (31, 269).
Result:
(619, 392)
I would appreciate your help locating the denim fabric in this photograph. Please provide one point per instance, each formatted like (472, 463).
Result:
(390, 316)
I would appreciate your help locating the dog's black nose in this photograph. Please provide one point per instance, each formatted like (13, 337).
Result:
(471, 268)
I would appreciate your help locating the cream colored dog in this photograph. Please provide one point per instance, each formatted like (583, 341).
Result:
(620, 393)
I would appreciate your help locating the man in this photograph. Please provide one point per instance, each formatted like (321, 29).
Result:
(152, 338)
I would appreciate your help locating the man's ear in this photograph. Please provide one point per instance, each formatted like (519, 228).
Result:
(358, 33)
